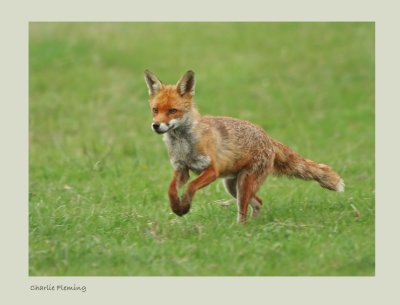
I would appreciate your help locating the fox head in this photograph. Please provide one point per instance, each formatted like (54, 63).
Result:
(171, 105)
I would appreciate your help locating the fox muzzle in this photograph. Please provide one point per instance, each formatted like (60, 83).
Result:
(160, 128)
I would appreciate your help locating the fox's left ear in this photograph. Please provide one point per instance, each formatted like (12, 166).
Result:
(187, 83)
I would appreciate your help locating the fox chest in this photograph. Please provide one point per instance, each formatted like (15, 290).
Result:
(183, 154)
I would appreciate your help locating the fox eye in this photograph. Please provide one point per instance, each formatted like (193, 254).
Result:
(155, 110)
(172, 111)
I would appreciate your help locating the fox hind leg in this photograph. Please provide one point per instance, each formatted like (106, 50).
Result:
(231, 187)
(245, 193)
(256, 204)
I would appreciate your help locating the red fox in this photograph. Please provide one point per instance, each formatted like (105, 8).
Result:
(240, 153)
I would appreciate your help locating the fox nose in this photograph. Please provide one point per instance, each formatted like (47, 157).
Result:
(155, 126)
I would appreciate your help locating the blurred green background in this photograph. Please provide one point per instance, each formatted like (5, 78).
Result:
(99, 176)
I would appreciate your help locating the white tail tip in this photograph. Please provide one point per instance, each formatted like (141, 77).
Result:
(340, 186)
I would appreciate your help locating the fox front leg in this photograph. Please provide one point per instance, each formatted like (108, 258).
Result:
(180, 178)
(208, 176)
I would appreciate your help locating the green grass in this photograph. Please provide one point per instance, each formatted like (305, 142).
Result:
(98, 175)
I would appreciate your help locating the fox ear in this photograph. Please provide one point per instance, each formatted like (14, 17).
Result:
(187, 83)
(153, 83)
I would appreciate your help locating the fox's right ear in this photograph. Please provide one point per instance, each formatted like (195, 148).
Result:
(153, 83)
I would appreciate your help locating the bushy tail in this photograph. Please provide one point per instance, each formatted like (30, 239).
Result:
(289, 163)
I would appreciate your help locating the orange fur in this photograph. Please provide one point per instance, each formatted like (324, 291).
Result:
(221, 147)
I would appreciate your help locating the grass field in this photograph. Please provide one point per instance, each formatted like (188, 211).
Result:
(98, 175)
